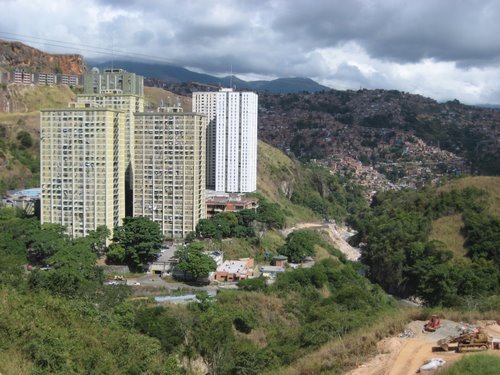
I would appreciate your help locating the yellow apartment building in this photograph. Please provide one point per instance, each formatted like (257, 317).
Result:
(115, 99)
(82, 157)
(169, 170)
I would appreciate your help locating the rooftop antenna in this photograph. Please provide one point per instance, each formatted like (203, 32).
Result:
(112, 50)
(231, 78)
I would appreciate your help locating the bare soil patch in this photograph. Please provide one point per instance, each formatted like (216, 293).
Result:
(404, 355)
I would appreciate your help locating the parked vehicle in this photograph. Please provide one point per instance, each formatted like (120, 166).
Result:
(433, 324)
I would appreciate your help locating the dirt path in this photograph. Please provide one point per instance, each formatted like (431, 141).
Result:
(404, 355)
(337, 234)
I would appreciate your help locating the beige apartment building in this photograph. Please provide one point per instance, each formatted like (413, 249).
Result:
(169, 170)
(115, 99)
(82, 153)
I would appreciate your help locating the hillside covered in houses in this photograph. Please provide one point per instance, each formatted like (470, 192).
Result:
(408, 138)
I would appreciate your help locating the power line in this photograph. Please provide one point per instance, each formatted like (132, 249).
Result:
(82, 47)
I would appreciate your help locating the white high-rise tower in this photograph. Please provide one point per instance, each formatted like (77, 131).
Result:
(231, 139)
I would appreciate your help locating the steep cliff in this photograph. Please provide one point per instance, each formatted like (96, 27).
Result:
(18, 55)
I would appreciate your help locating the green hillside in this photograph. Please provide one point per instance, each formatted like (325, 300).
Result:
(277, 179)
(440, 244)
(449, 229)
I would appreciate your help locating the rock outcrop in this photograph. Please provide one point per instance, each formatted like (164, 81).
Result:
(18, 55)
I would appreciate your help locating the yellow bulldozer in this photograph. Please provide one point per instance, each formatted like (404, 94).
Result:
(469, 341)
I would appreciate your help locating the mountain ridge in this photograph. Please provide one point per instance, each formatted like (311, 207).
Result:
(177, 74)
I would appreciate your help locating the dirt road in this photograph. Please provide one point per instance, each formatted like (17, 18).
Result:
(404, 355)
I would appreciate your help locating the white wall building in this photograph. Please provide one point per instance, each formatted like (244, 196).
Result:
(231, 139)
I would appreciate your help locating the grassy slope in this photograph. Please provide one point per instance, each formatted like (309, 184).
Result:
(490, 184)
(478, 364)
(154, 96)
(276, 177)
(447, 229)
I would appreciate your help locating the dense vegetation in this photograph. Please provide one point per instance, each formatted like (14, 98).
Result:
(330, 196)
(59, 318)
(242, 224)
(237, 334)
(396, 235)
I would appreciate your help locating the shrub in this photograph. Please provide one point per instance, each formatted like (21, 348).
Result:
(252, 284)
(25, 139)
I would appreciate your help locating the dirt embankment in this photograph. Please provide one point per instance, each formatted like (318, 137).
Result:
(404, 354)
(338, 235)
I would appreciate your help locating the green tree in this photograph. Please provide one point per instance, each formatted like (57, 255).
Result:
(270, 214)
(246, 217)
(74, 272)
(253, 285)
(47, 241)
(116, 254)
(299, 245)
(206, 228)
(162, 323)
(141, 238)
(97, 239)
(192, 261)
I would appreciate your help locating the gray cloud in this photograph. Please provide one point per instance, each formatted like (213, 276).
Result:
(369, 43)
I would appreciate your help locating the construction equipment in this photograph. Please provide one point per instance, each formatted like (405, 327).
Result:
(433, 324)
(477, 340)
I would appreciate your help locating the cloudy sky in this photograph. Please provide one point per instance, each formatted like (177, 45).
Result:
(443, 49)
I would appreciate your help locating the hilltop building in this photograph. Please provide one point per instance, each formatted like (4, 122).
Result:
(169, 177)
(97, 82)
(82, 170)
(231, 139)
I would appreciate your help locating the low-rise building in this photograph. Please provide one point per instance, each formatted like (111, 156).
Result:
(271, 271)
(27, 200)
(234, 270)
(221, 202)
(279, 260)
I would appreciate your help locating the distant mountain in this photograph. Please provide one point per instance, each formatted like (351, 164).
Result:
(173, 73)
